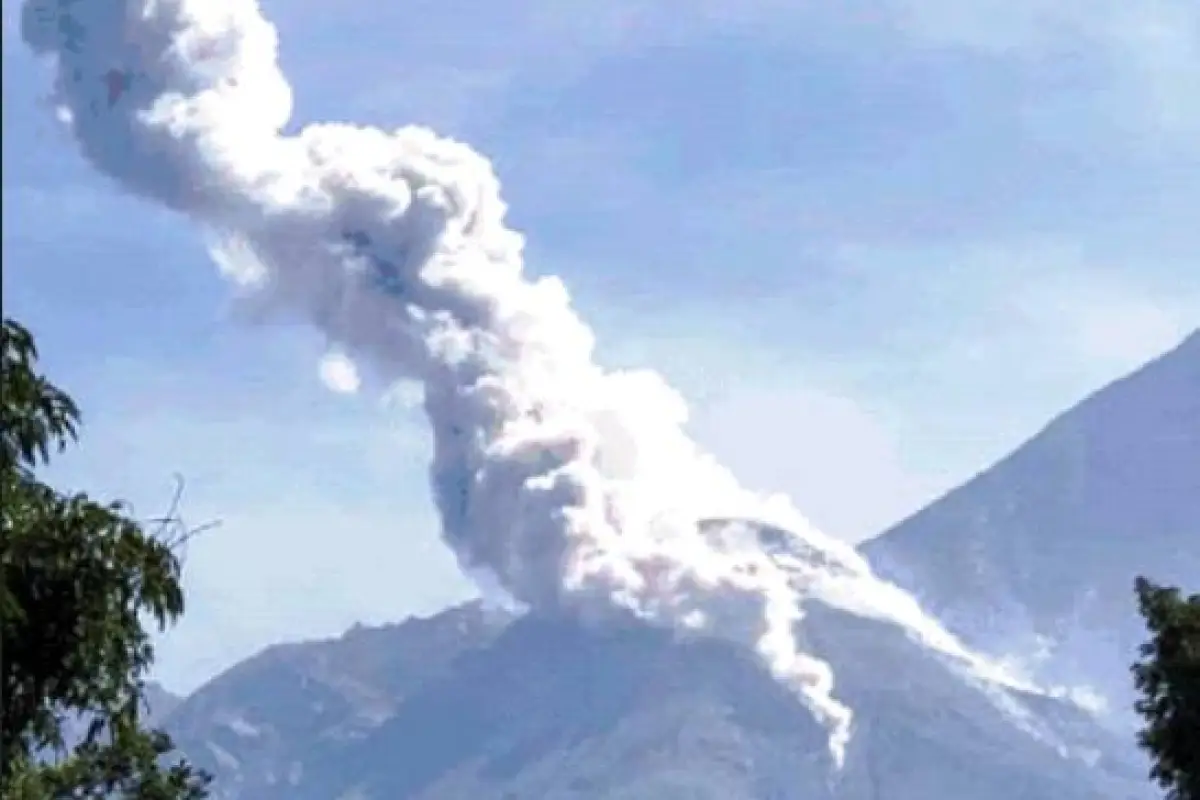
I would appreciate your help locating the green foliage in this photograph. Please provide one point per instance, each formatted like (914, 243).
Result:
(80, 581)
(1168, 680)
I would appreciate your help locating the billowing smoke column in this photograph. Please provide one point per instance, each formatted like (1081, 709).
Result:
(573, 488)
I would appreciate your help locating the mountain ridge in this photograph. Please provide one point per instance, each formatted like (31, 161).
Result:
(1034, 558)
(551, 708)
(536, 706)
(479, 703)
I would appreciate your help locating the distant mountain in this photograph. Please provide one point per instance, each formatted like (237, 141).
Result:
(468, 704)
(259, 723)
(160, 703)
(1036, 556)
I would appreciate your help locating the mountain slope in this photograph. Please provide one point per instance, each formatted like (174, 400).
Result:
(1036, 556)
(255, 725)
(549, 708)
(1041, 548)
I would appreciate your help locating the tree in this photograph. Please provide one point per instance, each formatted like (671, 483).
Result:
(81, 582)
(1168, 680)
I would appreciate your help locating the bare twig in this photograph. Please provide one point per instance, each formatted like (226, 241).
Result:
(171, 529)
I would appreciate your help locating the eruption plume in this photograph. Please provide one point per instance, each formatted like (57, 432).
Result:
(573, 488)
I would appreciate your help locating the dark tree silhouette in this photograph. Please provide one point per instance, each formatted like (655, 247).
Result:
(1168, 680)
(81, 580)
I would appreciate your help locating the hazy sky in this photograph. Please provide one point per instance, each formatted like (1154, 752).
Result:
(877, 244)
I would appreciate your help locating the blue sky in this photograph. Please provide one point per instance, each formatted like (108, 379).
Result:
(877, 243)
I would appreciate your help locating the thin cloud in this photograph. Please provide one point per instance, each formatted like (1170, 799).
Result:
(1106, 321)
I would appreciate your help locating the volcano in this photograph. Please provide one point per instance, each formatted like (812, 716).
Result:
(1033, 560)
(472, 703)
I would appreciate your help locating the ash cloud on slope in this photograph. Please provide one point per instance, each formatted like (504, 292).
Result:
(571, 487)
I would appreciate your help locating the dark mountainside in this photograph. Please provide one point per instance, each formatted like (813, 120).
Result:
(1039, 552)
(473, 704)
